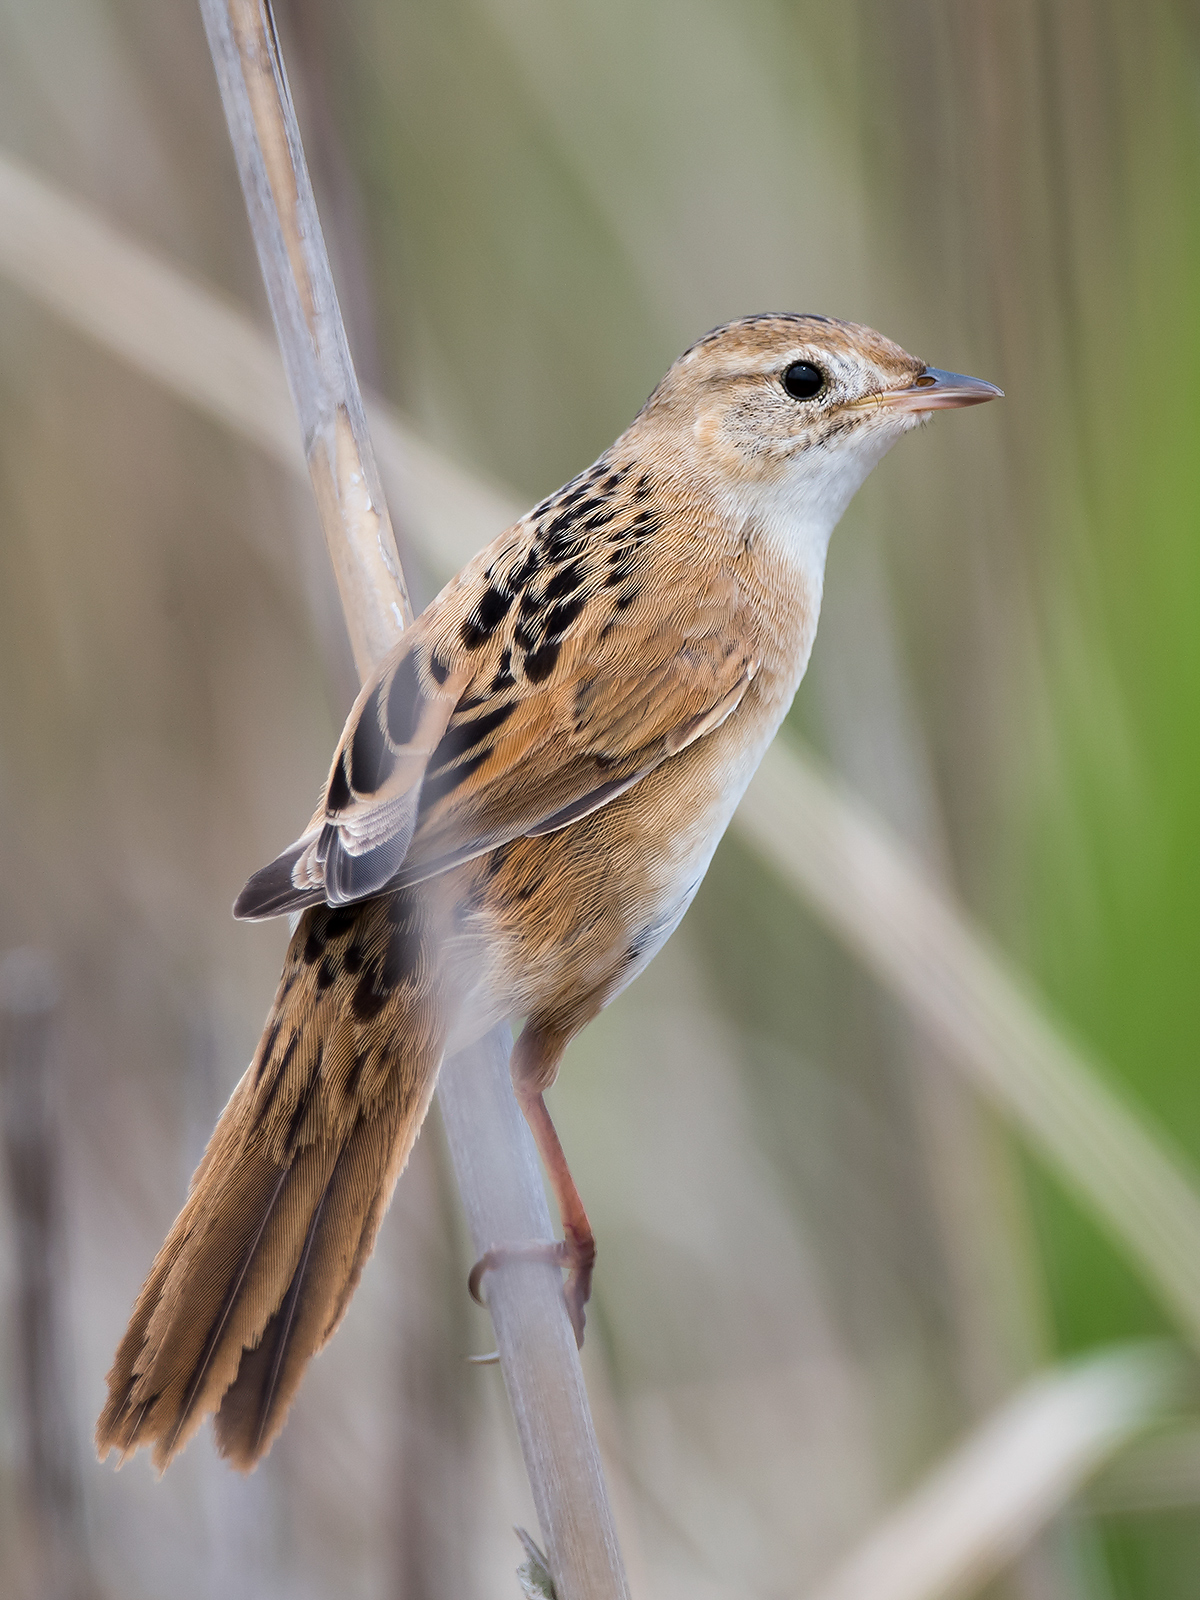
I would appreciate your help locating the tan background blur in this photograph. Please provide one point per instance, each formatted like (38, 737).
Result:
(820, 1259)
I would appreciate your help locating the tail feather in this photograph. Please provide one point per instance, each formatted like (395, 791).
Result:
(340, 1237)
(260, 1393)
(283, 1211)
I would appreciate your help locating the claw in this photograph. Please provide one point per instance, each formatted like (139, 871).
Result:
(578, 1255)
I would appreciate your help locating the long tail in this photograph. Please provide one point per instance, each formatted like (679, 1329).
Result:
(283, 1209)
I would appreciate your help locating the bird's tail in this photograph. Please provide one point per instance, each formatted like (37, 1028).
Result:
(283, 1210)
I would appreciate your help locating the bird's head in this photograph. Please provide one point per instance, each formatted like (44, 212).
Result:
(781, 416)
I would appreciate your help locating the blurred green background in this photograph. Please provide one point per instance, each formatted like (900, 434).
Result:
(820, 1259)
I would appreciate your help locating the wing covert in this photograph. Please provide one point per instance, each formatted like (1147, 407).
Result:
(567, 661)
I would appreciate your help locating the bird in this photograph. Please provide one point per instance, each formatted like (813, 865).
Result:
(522, 804)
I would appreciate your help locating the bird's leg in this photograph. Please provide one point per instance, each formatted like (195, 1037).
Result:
(534, 1066)
(578, 1244)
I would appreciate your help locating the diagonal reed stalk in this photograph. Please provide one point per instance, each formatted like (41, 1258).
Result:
(983, 1502)
(491, 1147)
(872, 893)
(862, 883)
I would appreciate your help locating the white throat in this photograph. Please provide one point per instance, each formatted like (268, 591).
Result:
(796, 510)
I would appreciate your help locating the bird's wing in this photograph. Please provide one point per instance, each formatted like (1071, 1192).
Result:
(360, 832)
(544, 681)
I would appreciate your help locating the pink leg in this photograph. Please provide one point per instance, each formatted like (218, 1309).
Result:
(534, 1066)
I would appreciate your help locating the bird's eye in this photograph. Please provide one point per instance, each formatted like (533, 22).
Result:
(802, 381)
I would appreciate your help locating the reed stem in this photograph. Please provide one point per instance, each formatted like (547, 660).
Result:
(491, 1146)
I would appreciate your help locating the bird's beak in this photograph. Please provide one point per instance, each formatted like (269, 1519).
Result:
(936, 390)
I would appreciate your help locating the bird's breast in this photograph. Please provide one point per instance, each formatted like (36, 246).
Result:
(583, 910)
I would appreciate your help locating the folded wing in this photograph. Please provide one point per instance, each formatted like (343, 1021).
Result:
(533, 690)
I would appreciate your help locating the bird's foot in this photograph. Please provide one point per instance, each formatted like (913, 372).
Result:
(576, 1252)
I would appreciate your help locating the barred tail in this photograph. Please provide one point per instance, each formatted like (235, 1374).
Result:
(283, 1210)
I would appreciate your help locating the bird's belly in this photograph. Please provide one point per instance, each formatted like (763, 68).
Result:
(543, 924)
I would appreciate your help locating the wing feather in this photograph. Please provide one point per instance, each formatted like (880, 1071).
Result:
(359, 834)
(567, 661)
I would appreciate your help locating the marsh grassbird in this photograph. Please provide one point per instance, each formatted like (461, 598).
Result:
(522, 805)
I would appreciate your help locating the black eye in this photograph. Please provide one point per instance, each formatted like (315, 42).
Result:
(802, 381)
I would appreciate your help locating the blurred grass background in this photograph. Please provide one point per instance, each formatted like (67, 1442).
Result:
(821, 1260)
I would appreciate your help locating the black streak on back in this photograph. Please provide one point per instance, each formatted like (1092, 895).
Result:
(539, 664)
(486, 618)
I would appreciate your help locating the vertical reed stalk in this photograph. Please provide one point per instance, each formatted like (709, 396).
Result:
(492, 1149)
